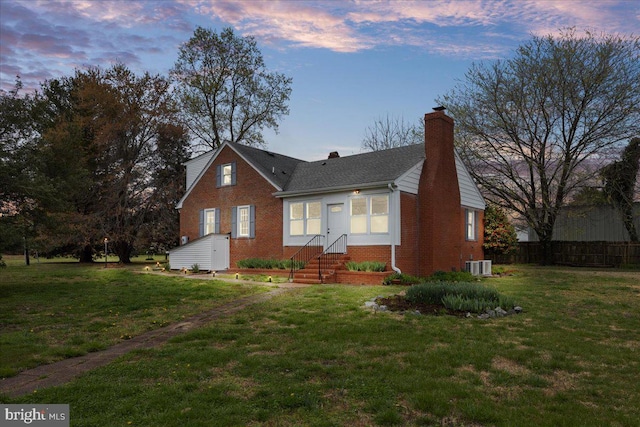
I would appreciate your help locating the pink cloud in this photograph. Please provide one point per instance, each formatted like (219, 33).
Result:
(293, 22)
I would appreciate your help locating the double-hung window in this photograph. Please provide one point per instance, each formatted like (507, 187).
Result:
(470, 224)
(243, 221)
(209, 221)
(359, 215)
(380, 214)
(305, 218)
(226, 174)
(369, 214)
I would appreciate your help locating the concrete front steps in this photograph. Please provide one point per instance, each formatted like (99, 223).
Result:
(309, 274)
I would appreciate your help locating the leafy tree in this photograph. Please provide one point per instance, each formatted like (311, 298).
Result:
(388, 132)
(499, 234)
(106, 159)
(620, 179)
(127, 118)
(226, 91)
(530, 126)
(20, 214)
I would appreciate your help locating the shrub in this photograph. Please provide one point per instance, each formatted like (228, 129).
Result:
(366, 266)
(451, 276)
(195, 268)
(404, 279)
(2, 263)
(499, 234)
(458, 296)
(269, 264)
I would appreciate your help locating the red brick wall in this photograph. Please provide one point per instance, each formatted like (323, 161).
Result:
(439, 210)
(250, 189)
(407, 251)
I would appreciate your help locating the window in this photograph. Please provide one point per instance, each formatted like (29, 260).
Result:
(226, 174)
(359, 215)
(305, 218)
(470, 219)
(313, 217)
(296, 219)
(243, 221)
(370, 214)
(209, 221)
(380, 214)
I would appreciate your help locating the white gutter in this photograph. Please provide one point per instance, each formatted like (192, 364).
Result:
(393, 242)
(337, 189)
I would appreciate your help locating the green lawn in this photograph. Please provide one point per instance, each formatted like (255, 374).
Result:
(51, 311)
(315, 356)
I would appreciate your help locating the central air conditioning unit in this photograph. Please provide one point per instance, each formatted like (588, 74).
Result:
(184, 240)
(473, 267)
(485, 267)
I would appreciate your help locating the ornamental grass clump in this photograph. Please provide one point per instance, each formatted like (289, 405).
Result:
(368, 266)
(461, 296)
(269, 263)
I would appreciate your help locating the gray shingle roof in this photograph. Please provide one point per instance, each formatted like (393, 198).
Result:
(364, 169)
(278, 167)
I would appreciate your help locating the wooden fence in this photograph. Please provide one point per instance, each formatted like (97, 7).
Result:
(584, 254)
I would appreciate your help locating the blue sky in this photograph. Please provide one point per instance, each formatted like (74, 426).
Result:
(351, 61)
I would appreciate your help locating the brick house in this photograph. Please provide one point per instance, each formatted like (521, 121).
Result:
(415, 208)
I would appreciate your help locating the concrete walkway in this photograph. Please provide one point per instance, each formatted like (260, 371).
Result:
(64, 371)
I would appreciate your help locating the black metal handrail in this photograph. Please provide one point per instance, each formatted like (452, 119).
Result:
(306, 253)
(331, 255)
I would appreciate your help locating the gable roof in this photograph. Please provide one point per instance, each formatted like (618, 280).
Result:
(275, 167)
(376, 168)
(291, 176)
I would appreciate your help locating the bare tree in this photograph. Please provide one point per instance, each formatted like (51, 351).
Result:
(529, 127)
(227, 93)
(389, 131)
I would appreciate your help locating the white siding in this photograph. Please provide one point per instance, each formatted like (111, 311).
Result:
(196, 165)
(410, 181)
(344, 198)
(210, 252)
(469, 194)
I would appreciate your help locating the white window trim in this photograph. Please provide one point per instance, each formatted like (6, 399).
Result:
(372, 215)
(369, 214)
(305, 218)
(224, 176)
(209, 227)
(240, 209)
(471, 226)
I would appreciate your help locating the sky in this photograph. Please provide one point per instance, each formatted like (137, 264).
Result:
(351, 61)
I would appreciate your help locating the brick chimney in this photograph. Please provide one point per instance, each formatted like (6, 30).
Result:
(440, 229)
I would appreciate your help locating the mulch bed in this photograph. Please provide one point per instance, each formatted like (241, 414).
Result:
(398, 303)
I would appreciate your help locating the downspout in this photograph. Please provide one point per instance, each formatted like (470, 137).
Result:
(393, 241)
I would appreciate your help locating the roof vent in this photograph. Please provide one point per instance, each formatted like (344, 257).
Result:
(333, 155)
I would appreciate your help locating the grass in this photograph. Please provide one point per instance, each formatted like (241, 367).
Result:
(314, 356)
(51, 311)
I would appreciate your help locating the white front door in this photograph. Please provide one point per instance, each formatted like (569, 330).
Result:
(220, 252)
(336, 222)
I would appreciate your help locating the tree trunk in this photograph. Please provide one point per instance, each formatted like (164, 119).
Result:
(86, 254)
(27, 261)
(627, 219)
(545, 235)
(123, 250)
